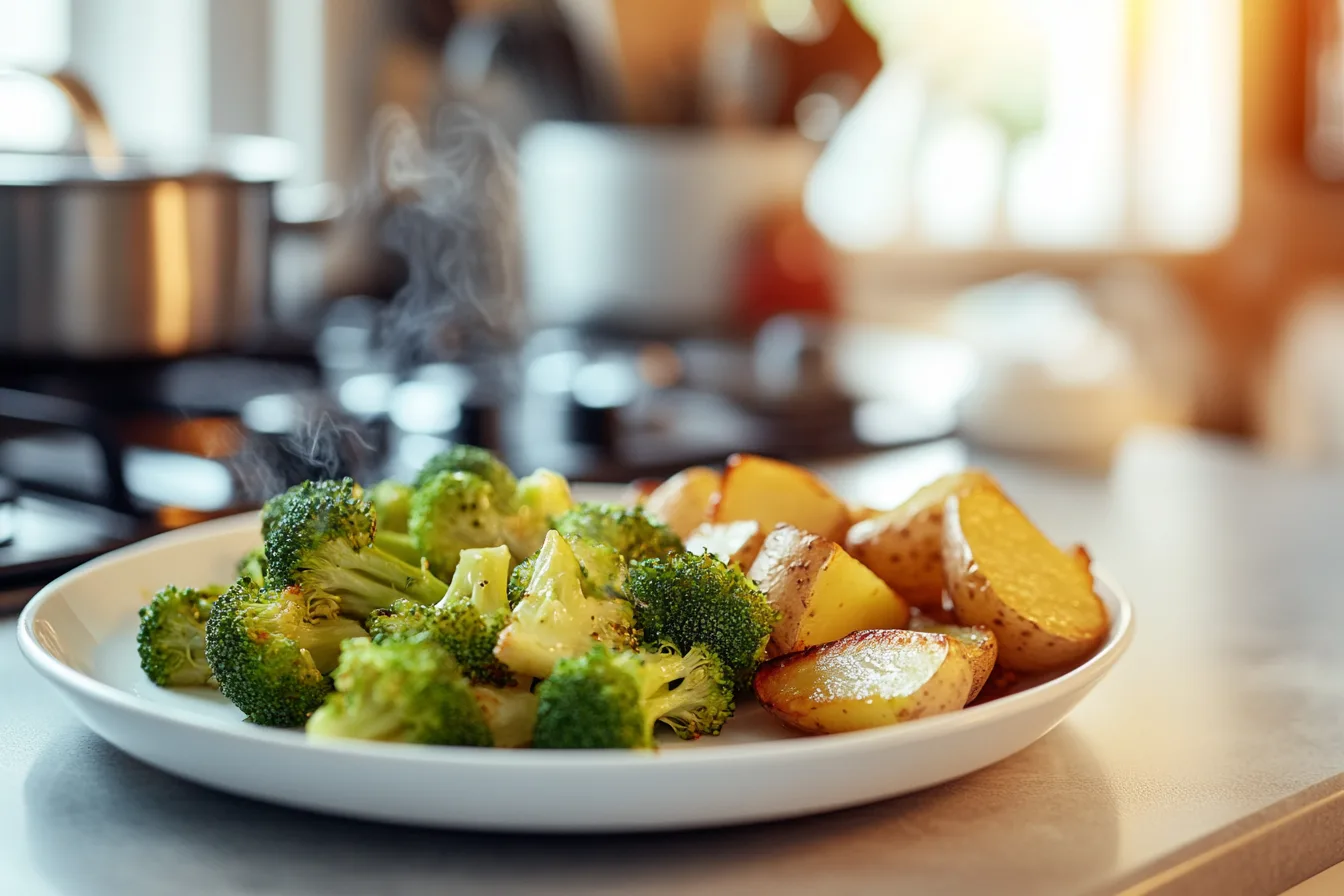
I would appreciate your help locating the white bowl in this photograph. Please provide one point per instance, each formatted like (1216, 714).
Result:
(79, 632)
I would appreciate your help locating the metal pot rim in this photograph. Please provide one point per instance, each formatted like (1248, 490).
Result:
(241, 159)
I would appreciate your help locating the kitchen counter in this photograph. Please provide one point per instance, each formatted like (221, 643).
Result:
(1210, 761)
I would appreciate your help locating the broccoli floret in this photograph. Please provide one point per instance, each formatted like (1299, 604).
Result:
(604, 571)
(467, 621)
(510, 713)
(171, 640)
(694, 599)
(541, 497)
(253, 565)
(391, 502)
(470, 459)
(323, 543)
(627, 529)
(611, 699)
(409, 690)
(270, 650)
(555, 619)
(451, 512)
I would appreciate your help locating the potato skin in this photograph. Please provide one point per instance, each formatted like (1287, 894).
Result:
(905, 546)
(822, 593)
(815, 691)
(1023, 646)
(683, 501)
(978, 642)
(738, 542)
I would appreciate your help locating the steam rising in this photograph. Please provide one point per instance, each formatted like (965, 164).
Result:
(454, 219)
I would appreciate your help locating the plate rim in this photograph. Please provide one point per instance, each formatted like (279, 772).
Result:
(72, 680)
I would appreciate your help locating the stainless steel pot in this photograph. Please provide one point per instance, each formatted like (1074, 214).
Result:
(110, 256)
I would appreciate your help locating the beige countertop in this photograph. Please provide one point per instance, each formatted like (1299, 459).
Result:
(1210, 761)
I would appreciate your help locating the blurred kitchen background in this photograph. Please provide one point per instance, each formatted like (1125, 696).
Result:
(244, 242)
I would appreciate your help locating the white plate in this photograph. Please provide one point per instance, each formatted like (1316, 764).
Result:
(79, 632)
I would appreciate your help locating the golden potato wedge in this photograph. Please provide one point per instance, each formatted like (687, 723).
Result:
(773, 492)
(866, 680)
(905, 546)
(822, 592)
(978, 642)
(737, 542)
(682, 502)
(1004, 574)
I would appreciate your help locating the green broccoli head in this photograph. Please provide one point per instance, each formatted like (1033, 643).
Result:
(540, 498)
(627, 529)
(323, 543)
(692, 599)
(451, 512)
(408, 690)
(270, 650)
(555, 619)
(603, 569)
(252, 565)
(609, 699)
(171, 640)
(391, 502)
(474, 460)
(468, 620)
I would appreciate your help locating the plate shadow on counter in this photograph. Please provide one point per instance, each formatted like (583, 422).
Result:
(100, 822)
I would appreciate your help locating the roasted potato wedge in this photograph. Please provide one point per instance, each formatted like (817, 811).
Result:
(866, 680)
(822, 592)
(682, 502)
(905, 546)
(773, 492)
(977, 641)
(1004, 574)
(737, 542)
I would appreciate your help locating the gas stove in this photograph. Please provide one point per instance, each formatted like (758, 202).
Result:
(93, 456)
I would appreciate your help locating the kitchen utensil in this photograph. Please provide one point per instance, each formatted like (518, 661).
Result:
(107, 255)
(79, 632)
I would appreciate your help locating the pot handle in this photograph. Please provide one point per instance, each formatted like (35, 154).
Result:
(99, 142)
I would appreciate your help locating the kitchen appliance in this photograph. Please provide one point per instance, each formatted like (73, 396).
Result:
(112, 255)
(644, 230)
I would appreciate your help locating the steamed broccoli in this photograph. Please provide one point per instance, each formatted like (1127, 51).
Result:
(323, 543)
(541, 496)
(270, 650)
(604, 570)
(171, 639)
(409, 690)
(470, 459)
(453, 511)
(627, 529)
(555, 619)
(510, 713)
(253, 565)
(608, 699)
(391, 501)
(694, 599)
(467, 621)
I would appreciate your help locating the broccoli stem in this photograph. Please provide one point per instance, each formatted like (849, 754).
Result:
(372, 579)
(323, 640)
(399, 545)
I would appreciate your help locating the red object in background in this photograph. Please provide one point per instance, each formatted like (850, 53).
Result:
(787, 267)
